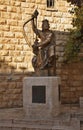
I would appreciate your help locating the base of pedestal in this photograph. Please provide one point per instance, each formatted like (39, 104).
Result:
(41, 96)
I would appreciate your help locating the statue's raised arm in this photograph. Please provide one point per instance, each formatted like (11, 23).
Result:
(34, 23)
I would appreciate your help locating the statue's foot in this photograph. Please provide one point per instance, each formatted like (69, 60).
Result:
(45, 66)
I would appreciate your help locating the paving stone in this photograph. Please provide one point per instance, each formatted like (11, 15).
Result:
(9, 121)
(5, 128)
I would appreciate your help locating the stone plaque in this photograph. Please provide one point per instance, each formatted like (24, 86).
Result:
(38, 94)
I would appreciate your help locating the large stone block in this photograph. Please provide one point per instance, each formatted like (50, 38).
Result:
(41, 96)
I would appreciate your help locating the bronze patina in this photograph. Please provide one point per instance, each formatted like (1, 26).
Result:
(44, 58)
(44, 46)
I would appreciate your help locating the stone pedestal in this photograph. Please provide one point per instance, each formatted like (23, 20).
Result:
(41, 96)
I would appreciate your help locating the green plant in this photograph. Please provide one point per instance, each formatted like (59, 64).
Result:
(75, 40)
(75, 2)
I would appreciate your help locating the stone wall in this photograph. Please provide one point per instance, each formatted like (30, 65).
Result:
(72, 82)
(10, 91)
(15, 54)
(14, 51)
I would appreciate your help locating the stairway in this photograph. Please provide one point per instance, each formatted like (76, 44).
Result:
(35, 124)
(16, 119)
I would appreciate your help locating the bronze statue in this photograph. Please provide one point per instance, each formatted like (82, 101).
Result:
(45, 49)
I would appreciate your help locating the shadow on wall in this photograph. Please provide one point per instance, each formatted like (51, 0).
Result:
(11, 86)
(11, 82)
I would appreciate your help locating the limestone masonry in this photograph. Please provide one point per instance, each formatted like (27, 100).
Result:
(15, 54)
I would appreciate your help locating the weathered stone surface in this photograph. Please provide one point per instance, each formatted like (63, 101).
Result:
(8, 59)
(19, 59)
(4, 53)
(8, 34)
(71, 83)
(14, 119)
(9, 47)
(50, 107)
(14, 50)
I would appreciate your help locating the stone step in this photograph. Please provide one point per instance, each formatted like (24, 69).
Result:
(15, 124)
(78, 115)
